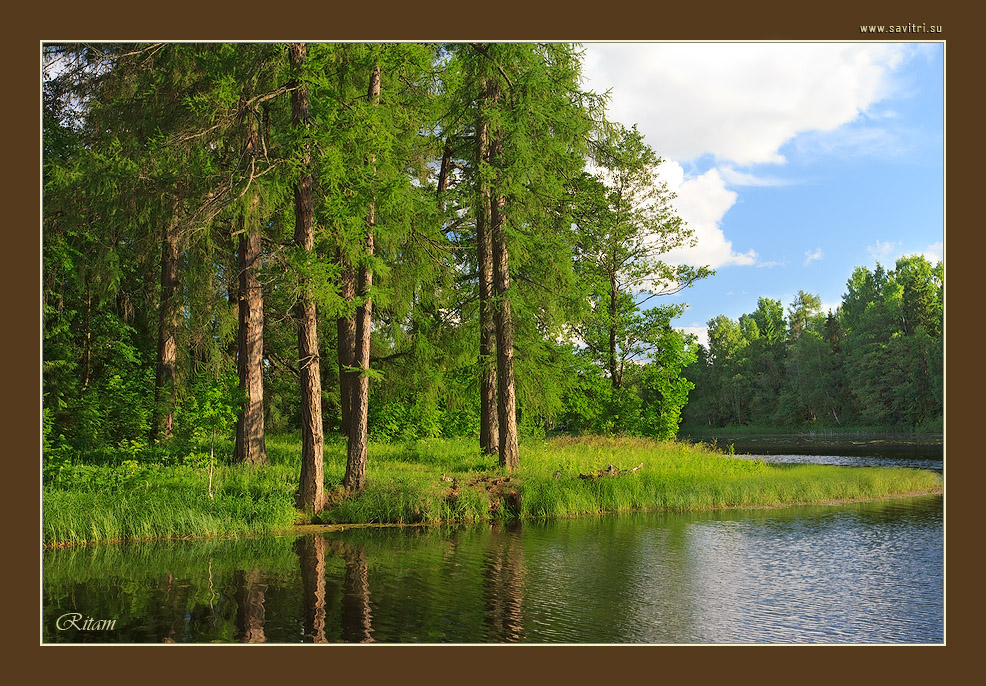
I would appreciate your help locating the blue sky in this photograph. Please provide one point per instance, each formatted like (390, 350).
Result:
(793, 162)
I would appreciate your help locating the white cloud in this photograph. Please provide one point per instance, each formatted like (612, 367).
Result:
(888, 252)
(812, 255)
(702, 203)
(738, 178)
(935, 252)
(862, 141)
(739, 102)
(881, 250)
(700, 332)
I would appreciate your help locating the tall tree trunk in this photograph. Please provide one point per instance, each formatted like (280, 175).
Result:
(489, 432)
(311, 492)
(232, 287)
(614, 374)
(87, 349)
(163, 419)
(355, 478)
(251, 445)
(446, 168)
(346, 343)
(503, 319)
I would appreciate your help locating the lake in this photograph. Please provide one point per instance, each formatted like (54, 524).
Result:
(856, 573)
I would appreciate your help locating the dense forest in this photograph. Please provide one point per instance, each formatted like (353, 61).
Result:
(876, 361)
(390, 240)
(401, 241)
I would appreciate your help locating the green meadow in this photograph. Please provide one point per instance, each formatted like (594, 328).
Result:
(436, 481)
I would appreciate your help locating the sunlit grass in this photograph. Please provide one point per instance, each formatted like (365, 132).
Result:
(141, 502)
(441, 480)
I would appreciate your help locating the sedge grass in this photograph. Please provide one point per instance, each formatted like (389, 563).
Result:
(440, 481)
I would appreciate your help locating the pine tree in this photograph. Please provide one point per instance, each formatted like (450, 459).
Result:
(311, 492)
(355, 478)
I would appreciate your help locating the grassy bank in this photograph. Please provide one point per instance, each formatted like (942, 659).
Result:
(439, 480)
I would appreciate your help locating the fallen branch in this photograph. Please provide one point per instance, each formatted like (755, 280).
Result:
(610, 471)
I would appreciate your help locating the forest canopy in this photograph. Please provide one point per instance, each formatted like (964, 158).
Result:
(259, 234)
(403, 241)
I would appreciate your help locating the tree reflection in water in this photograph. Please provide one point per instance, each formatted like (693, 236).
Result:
(356, 617)
(311, 553)
(250, 593)
(503, 573)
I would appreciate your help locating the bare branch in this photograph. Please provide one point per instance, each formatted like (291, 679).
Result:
(484, 51)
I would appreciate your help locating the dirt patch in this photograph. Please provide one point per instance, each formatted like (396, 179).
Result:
(503, 492)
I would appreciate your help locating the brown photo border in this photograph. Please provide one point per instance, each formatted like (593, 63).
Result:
(28, 25)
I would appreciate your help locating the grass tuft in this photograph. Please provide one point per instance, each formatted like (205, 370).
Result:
(440, 480)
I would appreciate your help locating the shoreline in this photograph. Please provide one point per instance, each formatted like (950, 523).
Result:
(316, 528)
(850, 443)
(443, 481)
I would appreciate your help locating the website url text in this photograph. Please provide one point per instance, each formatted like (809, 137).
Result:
(902, 28)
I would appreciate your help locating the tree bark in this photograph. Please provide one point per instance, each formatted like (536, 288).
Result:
(489, 433)
(311, 491)
(163, 419)
(232, 288)
(355, 478)
(87, 349)
(614, 374)
(251, 445)
(446, 168)
(346, 343)
(345, 326)
(503, 319)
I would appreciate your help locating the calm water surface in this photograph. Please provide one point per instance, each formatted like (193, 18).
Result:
(861, 573)
(935, 464)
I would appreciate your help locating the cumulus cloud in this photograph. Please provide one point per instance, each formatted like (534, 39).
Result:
(739, 102)
(812, 255)
(732, 106)
(702, 202)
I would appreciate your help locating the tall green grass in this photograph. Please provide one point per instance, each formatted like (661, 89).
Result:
(141, 502)
(680, 477)
(136, 501)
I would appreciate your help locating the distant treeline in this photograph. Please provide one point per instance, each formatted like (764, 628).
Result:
(877, 360)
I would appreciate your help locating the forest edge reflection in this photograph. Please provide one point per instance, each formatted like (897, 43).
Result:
(726, 576)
